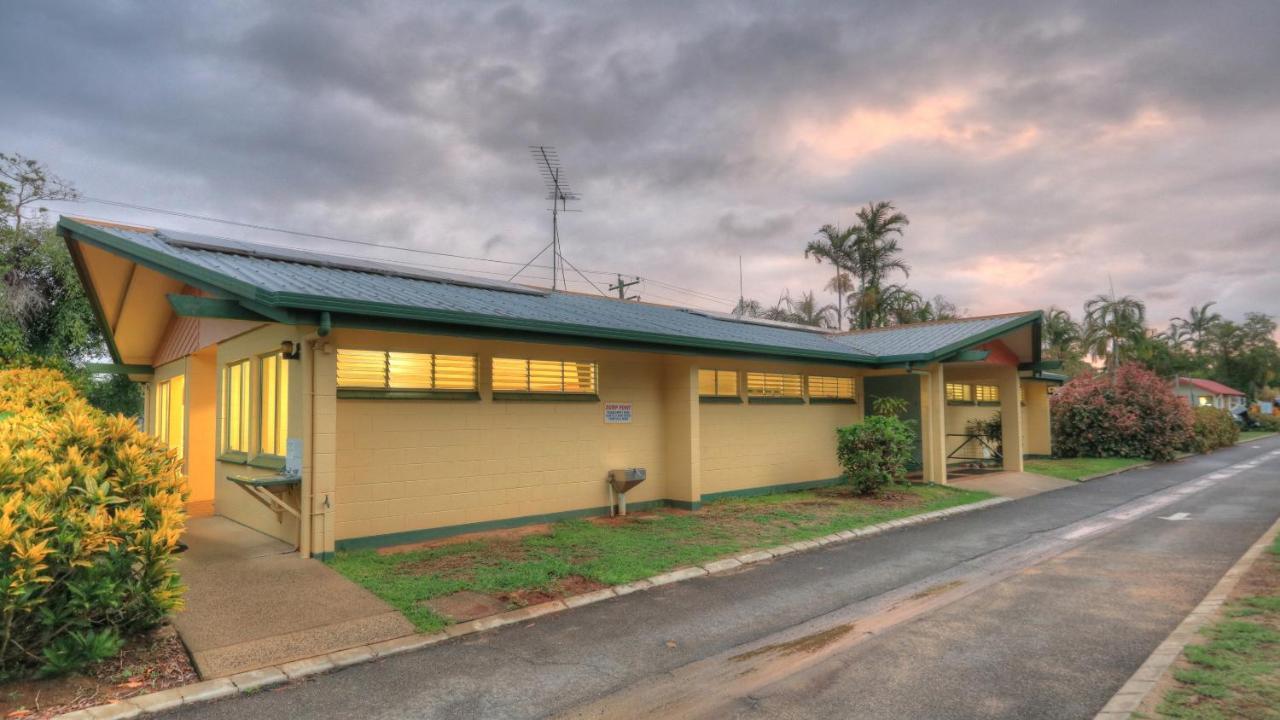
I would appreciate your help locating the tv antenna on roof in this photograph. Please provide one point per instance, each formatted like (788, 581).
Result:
(559, 193)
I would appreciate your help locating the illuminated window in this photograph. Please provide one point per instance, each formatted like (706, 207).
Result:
(375, 369)
(774, 385)
(274, 415)
(986, 393)
(1204, 401)
(959, 392)
(171, 412)
(830, 387)
(235, 407)
(544, 376)
(718, 383)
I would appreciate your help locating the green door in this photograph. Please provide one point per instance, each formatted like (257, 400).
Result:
(906, 387)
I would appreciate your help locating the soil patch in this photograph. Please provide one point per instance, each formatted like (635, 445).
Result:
(508, 534)
(466, 605)
(806, 644)
(151, 662)
(566, 587)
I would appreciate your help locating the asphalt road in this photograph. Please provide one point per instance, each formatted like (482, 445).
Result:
(1039, 608)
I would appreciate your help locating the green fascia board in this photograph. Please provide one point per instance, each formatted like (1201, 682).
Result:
(1028, 319)
(450, 317)
(204, 307)
(969, 356)
(719, 399)
(189, 273)
(1042, 365)
(118, 369)
(365, 322)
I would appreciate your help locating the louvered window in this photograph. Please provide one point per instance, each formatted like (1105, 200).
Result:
(379, 370)
(774, 385)
(544, 376)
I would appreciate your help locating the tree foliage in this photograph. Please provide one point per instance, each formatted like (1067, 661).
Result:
(45, 317)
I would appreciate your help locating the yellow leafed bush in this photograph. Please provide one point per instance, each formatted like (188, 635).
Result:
(91, 509)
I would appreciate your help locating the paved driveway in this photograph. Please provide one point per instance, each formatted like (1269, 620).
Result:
(1060, 597)
(252, 602)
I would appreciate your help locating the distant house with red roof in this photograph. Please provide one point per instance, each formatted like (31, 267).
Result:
(1208, 393)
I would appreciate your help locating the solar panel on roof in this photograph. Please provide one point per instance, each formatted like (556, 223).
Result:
(304, 257)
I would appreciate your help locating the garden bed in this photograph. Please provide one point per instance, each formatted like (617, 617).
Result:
(148, 663)
(574, 556)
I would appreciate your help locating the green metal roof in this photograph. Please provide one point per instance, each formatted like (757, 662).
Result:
(292, 286)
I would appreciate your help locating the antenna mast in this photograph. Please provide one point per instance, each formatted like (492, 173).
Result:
(559, 193)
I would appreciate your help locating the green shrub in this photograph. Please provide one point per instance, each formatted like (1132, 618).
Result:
(875, 452)
(1133, 414)
(90, 510)
(1213, 429)
(1270, 423)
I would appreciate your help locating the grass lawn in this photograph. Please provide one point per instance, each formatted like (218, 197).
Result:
(1248, 435)
(1236, 673)
(1077, 468)
(580, 555)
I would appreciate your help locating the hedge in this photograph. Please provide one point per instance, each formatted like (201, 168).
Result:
(1133, 413)
(91, 509)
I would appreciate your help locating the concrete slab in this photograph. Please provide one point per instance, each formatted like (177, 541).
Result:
(1011, 484)
(253, 602)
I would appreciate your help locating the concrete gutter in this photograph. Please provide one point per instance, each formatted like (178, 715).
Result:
(1143, 682)
(1109, 473)
(254, 680)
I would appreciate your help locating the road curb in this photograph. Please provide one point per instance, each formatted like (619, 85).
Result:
(1131, 695)
(1109, 473)
(267, 677)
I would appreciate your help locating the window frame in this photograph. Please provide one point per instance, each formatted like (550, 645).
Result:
(530, 393)
(387, 391)
(245, 405)
(717, 396)
(967, 398)
(281, 407)
(779, 399)
(837, 398)
(978, 393)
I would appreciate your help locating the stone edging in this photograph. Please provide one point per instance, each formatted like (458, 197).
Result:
(1131, 695)
(262, 678)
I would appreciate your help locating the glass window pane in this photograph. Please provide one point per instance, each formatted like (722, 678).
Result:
(455, 372)
(362, 368)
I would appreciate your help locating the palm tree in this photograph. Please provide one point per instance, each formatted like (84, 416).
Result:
(1197, 325)
(748, 308)
(876, 255)
(836, 247)
(1113, 325)
(1059, 334)
(806, 311)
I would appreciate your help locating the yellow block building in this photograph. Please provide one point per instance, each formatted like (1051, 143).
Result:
(339, 403)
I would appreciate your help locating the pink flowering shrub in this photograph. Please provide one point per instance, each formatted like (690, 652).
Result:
(1134, 414)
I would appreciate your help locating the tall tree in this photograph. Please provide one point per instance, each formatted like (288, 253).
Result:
(876, 256)
(24, 184)
(835, 245)
(1197, 324)
(807, 311)
(1113, 326)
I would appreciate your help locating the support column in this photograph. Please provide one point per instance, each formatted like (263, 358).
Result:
(1010, 417)
(1036, 416)
(324, 430)
(933, 425)
(681, 434)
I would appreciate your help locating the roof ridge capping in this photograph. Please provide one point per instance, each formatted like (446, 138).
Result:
(931, 323)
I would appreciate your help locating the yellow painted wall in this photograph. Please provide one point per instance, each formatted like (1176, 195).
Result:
(1036, 419)
(415, 464)
(232, 500)
(406, 465)
(202, 393)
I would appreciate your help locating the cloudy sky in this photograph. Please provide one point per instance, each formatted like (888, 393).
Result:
(1040, 152)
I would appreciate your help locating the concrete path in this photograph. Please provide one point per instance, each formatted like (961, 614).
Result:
(1036, 608)
(1011, 484)
(253, 602)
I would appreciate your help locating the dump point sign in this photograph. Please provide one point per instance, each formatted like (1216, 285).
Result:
(617, 412)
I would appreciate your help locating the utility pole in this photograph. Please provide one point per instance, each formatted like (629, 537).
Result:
(621, 288)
